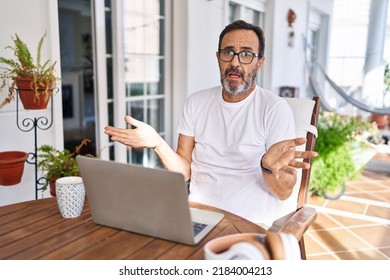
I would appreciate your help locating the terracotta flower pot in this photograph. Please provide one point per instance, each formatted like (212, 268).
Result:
(27, 94)
(11, 167)
(381, 120)
(52, 185)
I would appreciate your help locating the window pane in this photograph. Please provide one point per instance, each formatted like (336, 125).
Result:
(155, 77)
(233, 12)
(108, 32)
(154, 160)
(162, 41)
(110, 84)
(155, 111)
(162, 5)
(134, 89)
(152, 89)
(112, 152)
(145, 157)
(136, 110)
(134, 69)
(110, 113)
(140, 70)
(311, 50)
(142, 23)
(136, 156)
(252, 16)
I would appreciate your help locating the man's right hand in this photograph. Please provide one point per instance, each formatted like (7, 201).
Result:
(142, 136)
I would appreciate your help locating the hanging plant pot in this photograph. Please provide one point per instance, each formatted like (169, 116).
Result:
(11, 167)
(28, 94)
(52, 185)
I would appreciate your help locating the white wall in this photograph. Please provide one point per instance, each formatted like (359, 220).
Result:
(179, 64)
(30, 20)
(206, 19)
(288, 64)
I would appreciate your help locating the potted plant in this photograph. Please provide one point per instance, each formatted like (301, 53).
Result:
(383, 120)
(58, 163)
(33, 78)
(339, 146)
(11, 167)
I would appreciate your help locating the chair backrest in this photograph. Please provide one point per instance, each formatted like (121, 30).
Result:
(306, 113)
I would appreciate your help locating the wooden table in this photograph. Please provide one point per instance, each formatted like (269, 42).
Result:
(36, 230)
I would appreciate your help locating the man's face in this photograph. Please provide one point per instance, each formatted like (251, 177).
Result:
(238, 78)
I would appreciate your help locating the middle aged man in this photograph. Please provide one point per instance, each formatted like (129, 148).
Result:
(236, 141)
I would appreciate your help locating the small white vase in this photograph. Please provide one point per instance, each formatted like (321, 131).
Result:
(70, 193)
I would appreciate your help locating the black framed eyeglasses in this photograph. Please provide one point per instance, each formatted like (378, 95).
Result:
(244, 57)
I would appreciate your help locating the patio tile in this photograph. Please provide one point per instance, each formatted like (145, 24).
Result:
(381, 212)
(323, 222)
(333, 237)
(370, 254)
(340, 240)
(373, 195)
(369, 186)
(346, 221)
(377, 236)
(316, 200)
(349, 206)
(382, 196)
(385, 251)
(313, 247)
(324, 257)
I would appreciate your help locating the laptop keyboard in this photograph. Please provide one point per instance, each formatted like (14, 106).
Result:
(197, 227)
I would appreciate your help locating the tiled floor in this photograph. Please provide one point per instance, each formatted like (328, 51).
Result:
(357, 225)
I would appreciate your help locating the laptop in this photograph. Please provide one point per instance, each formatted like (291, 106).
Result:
(143, 200)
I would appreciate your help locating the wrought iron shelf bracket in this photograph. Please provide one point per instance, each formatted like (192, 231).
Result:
(35, 124)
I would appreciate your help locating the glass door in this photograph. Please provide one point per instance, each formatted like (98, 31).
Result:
(132, 71)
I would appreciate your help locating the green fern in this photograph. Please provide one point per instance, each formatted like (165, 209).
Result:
(25, 59)
(39, 49)
(23, 65)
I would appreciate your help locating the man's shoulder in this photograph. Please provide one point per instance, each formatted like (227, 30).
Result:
(205, 94)
(269, 96)
(207, 91)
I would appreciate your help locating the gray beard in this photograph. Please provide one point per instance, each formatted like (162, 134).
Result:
(242, 88)
(235, 91)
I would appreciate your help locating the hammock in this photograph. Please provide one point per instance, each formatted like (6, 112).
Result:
(344, 95)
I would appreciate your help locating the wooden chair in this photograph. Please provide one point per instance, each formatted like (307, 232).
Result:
(292, 214)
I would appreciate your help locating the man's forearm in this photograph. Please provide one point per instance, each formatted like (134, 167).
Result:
(172, 160)
(280, 184)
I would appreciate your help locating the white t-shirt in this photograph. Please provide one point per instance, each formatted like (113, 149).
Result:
(230, 139)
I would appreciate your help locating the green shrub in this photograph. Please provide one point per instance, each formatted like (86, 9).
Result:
(336, 140)
(58, 163)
